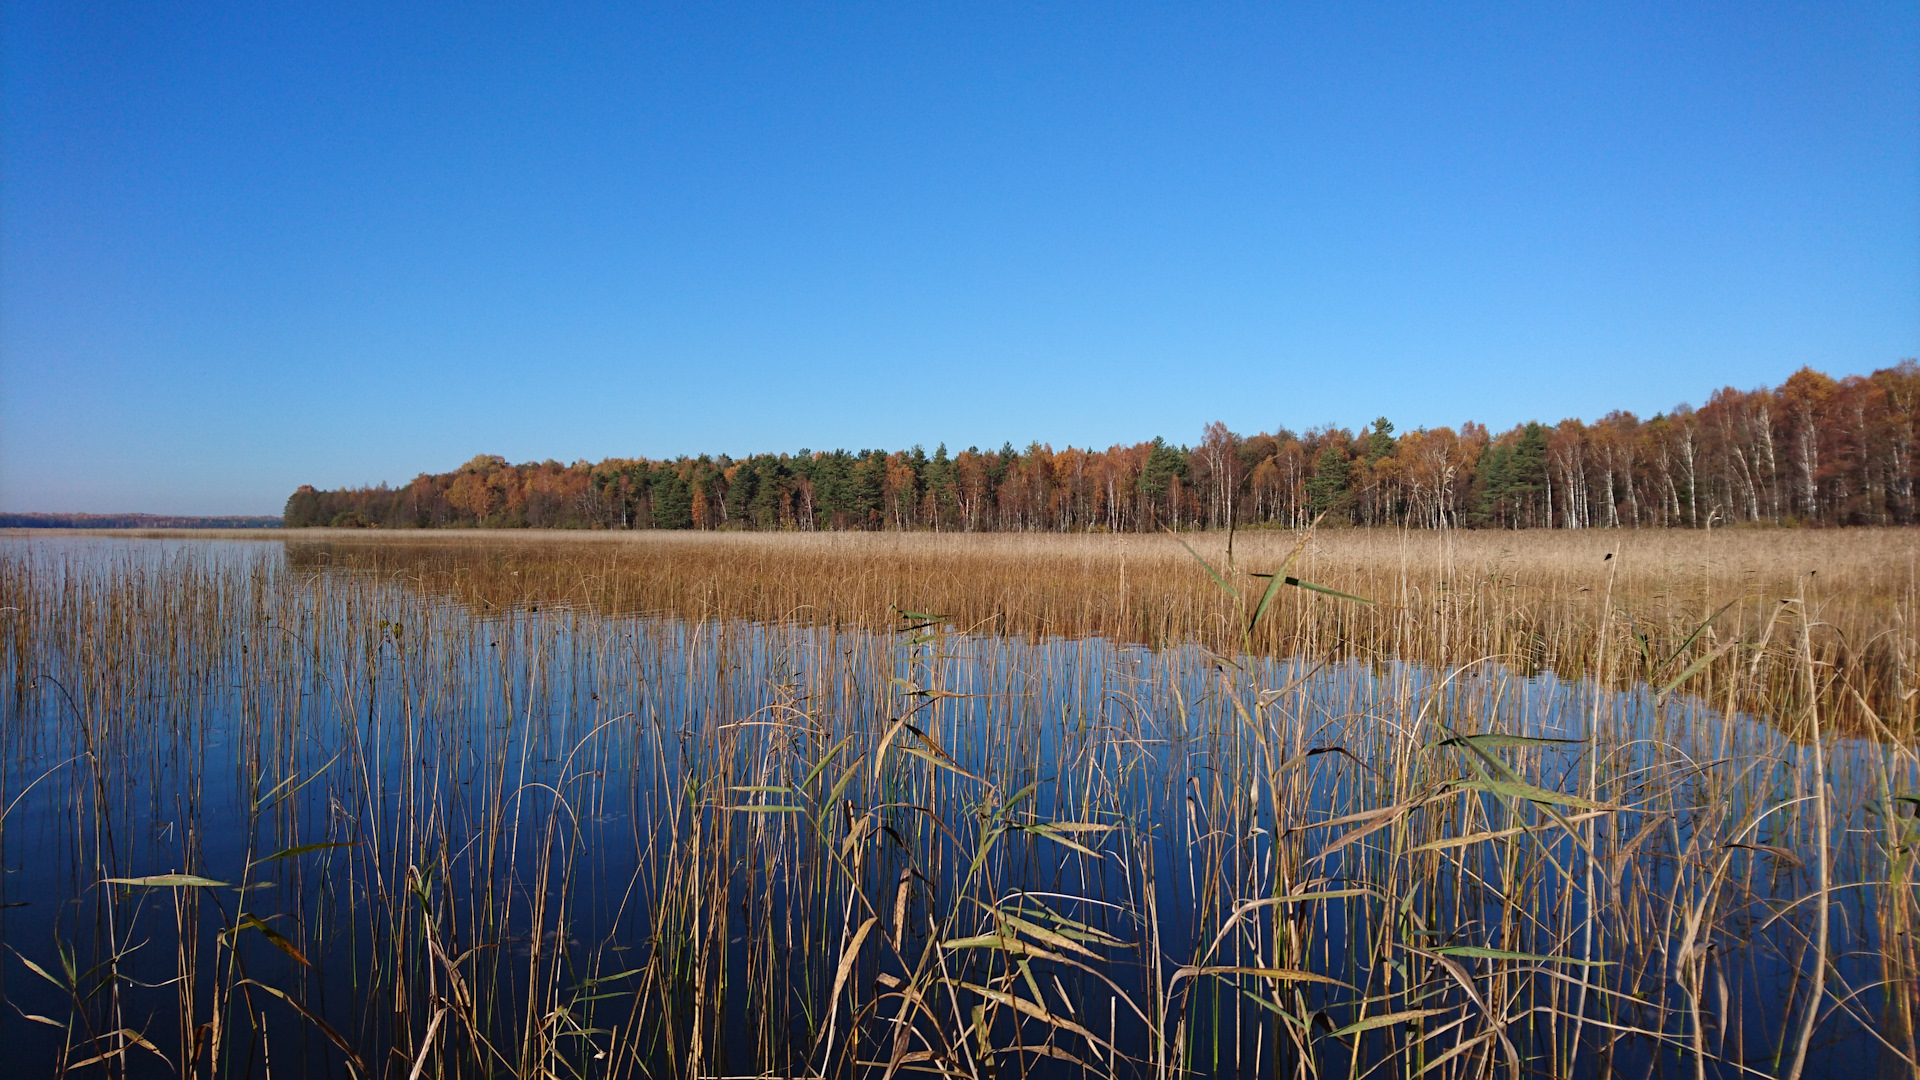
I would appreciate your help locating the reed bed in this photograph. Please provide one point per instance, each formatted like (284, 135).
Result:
(739, 806)
(1537, 600)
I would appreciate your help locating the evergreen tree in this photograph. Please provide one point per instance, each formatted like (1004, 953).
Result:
(672, 501)
(939, 482)
(830, 494)
(867, 507)
(1529, 474)
(1163, 465)
(742, 486)
(1380, 440)
(1493, 488)
(771, 480)
(1331, 475)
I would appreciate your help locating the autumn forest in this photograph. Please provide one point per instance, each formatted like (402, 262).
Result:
(1814, 450)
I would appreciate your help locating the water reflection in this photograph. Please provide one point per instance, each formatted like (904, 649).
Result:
(563, 840)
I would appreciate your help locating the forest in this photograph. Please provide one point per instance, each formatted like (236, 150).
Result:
(1813, 451)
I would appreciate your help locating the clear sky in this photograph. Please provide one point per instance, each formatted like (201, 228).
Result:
(245, 246)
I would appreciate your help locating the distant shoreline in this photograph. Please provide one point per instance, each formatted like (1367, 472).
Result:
(139, 521)
(1213, 542)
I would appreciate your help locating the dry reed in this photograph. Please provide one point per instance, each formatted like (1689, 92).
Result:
(860, 806)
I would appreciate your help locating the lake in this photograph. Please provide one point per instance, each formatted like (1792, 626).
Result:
(268, 809)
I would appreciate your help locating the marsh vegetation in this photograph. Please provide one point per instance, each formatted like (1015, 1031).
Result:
(870, 805)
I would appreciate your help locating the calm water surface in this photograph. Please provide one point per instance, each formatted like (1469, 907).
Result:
(652, 839)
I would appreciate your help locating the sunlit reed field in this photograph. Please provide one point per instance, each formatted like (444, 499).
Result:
(1533, 600)
(862, 806)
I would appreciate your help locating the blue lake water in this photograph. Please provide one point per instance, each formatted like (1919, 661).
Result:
(521, 842)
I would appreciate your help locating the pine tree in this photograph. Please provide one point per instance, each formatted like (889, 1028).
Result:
(1528, 485)
(1331, 475)
(672, 501)
(1380, 440)
(1162, 466)
(1493, 483)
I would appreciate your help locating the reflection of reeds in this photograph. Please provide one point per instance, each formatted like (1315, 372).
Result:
(473, 838)
(1695, 612)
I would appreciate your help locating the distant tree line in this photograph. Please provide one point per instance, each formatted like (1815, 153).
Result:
(135, 521)
(1814, 450)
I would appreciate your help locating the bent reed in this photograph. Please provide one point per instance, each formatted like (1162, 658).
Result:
(751, 805)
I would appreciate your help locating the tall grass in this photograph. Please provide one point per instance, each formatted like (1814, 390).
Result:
(1706, 606)
(870, 806)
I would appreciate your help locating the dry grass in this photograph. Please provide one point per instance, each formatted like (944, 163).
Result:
(1533, 599)
(787, 831)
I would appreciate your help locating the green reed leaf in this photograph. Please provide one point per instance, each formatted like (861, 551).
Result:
(1498, 741)
(1207, 566)
(304, 849)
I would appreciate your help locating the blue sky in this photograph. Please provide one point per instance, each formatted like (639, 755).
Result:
(248, 246)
